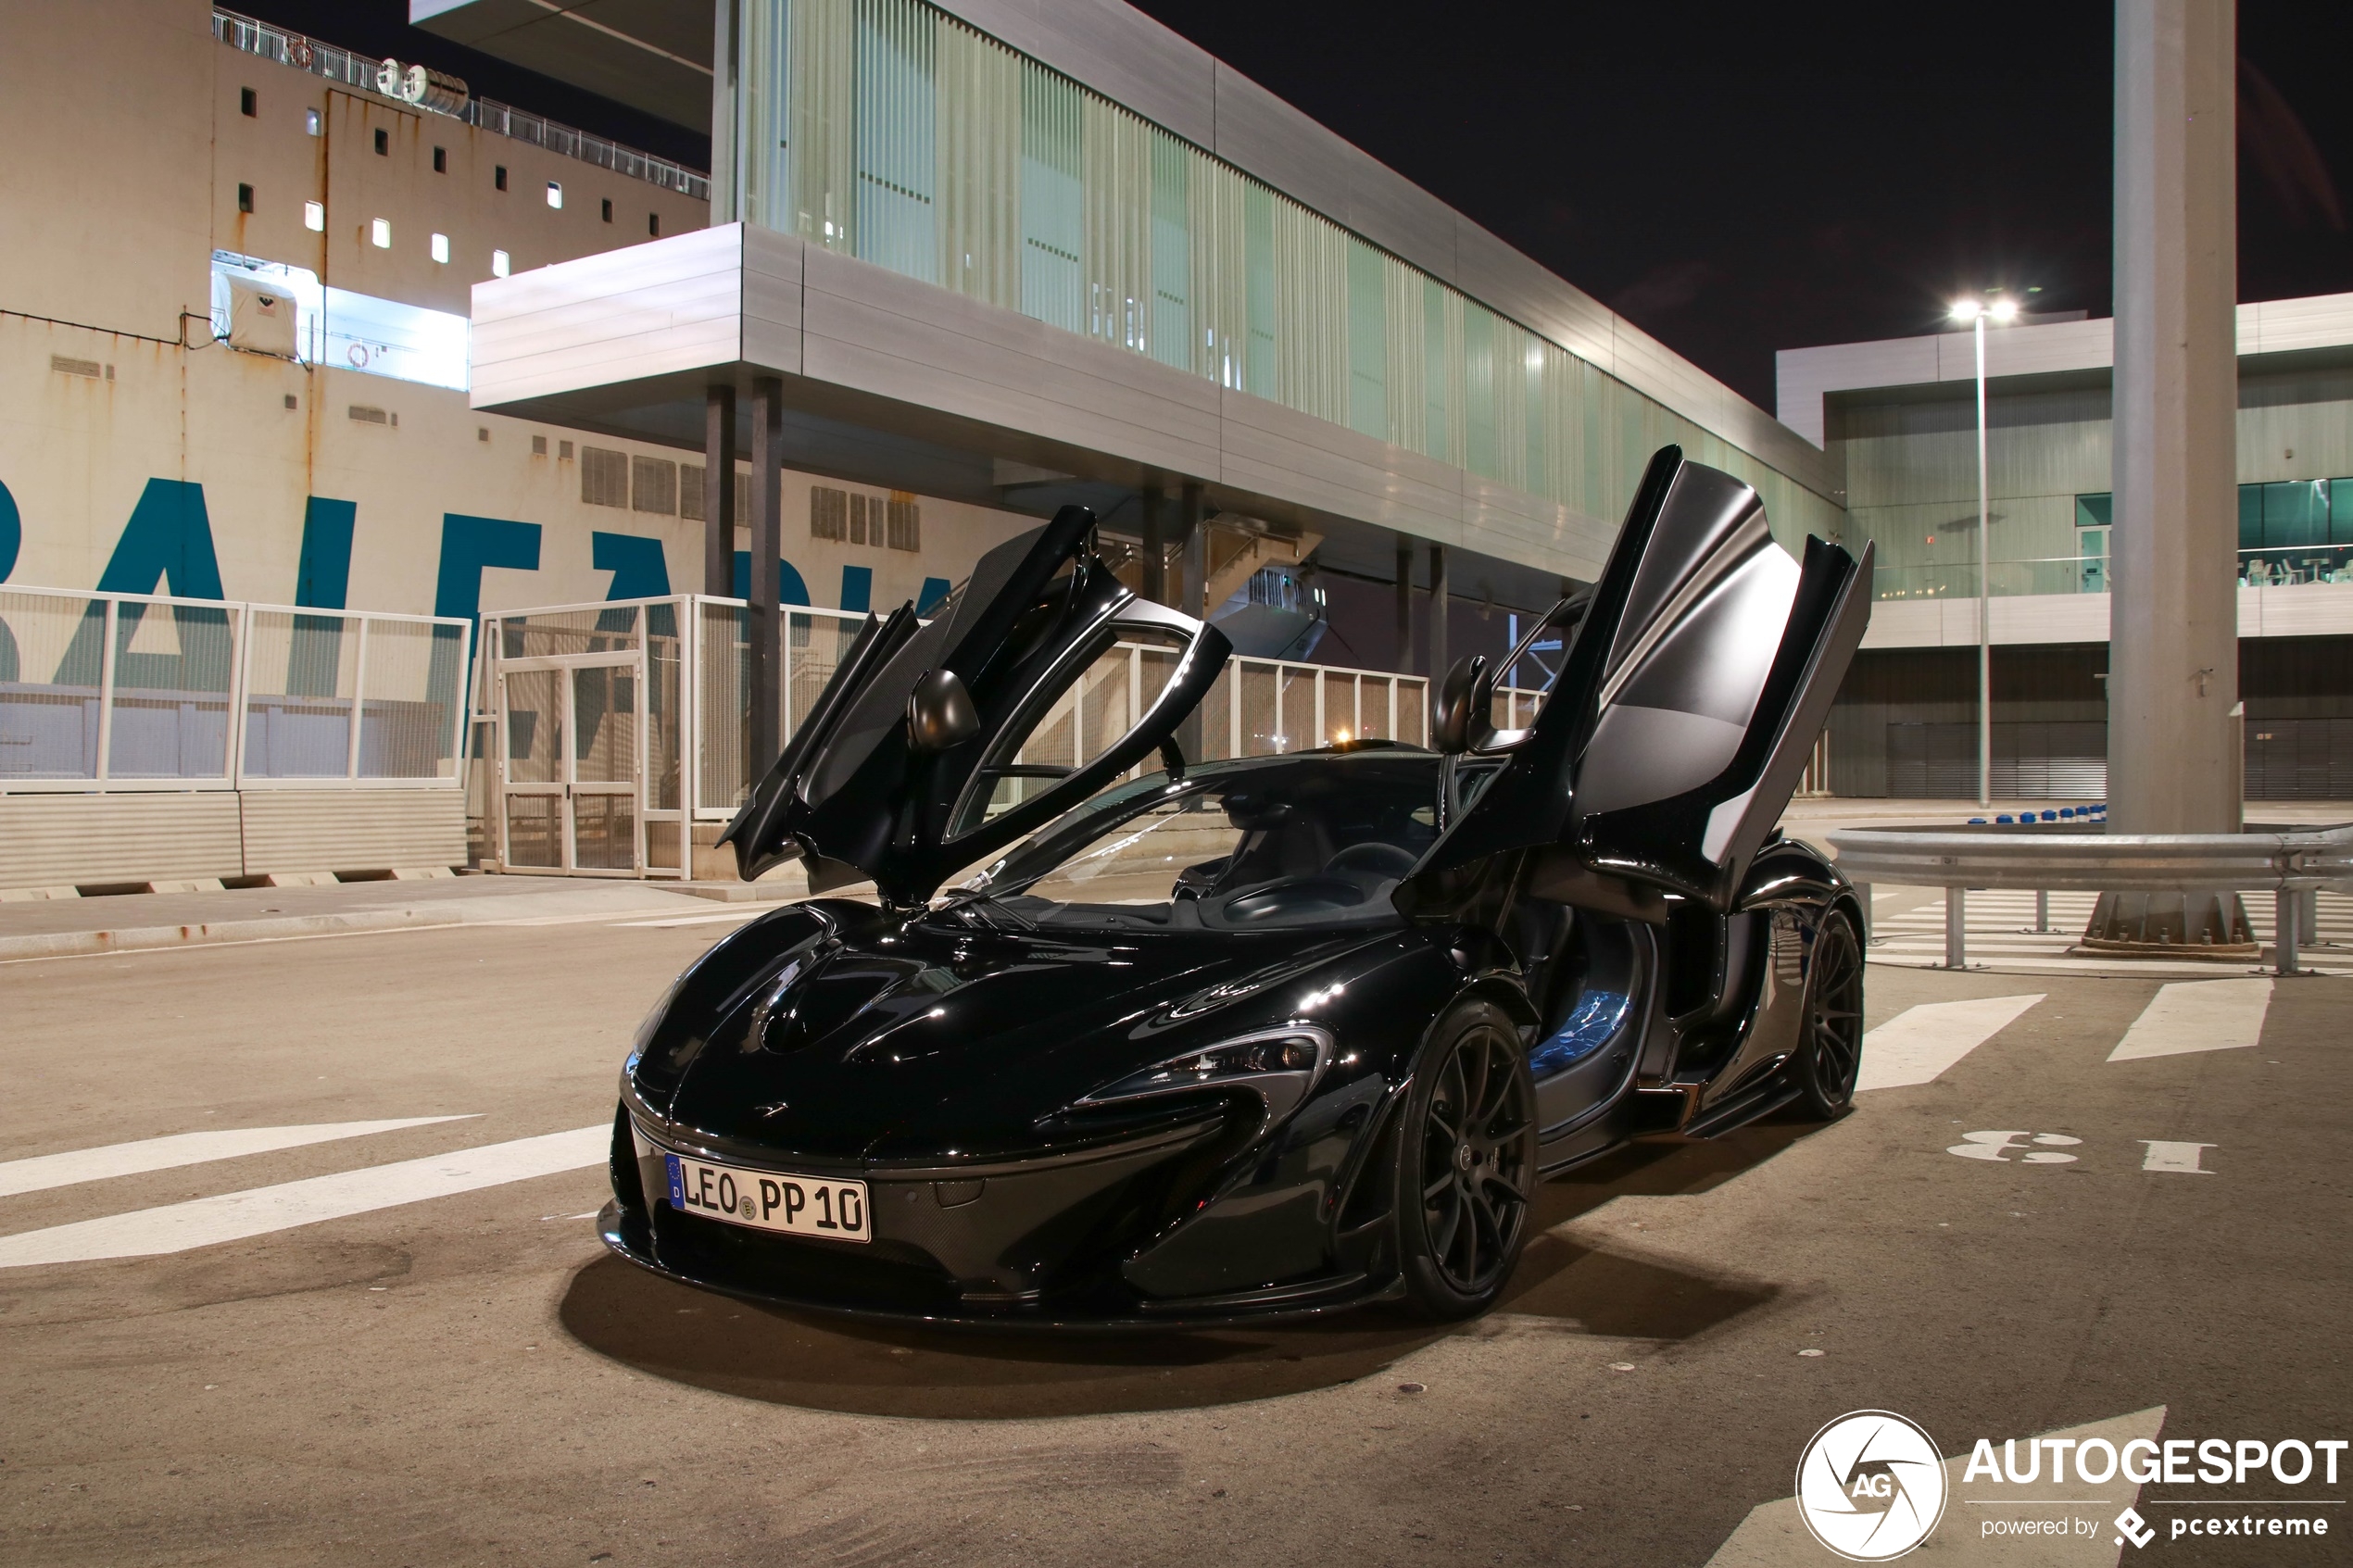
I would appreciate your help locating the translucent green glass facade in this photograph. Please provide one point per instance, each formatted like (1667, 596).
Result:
(888, 130)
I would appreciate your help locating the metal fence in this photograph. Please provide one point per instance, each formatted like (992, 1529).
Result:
(144, 692)
(572, 702)
(358, 70)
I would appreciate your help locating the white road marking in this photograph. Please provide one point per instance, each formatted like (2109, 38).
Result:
(2197, 1015)
(2001, 1146)
(1774, 1536)
(45, 1170)
(1919, 1044)
(234, 1216)
(2178, 1157)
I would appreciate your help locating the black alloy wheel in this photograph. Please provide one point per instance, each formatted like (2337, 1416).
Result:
(1832, 1053)
(1465, 1164)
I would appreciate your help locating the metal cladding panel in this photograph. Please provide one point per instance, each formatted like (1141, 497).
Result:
(2315, 609)
(1279, 451)
(350, 829)
(53, 840)
(874, 331)
(2029, 351)
(1501, 521)
(2280, 325)
(773, 266)
(645, 310)
(1114, 49)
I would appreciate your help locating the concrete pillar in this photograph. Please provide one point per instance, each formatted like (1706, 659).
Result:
(1192, 589)
(2174, 600)
(1155, 574)
(2173, 643)
(767, 652)
(719, 493)
(1438, 665)
(1405, 605)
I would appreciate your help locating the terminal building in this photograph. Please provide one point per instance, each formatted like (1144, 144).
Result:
(337, 358)
(1899, 421)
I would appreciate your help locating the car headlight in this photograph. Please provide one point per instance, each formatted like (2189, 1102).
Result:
(1281, 1066)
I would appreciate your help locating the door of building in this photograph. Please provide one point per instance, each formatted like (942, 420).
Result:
(571, 743)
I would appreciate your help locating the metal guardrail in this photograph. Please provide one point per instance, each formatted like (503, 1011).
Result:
(353, 69)
(2293, 865)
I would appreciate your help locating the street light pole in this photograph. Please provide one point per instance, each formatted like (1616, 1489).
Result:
(1984, 593)
(1975, 313)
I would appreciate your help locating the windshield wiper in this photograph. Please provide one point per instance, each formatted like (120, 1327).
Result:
(977, 901)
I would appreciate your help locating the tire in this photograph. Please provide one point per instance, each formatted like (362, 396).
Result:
(1465, 1164)
(1831, 1054)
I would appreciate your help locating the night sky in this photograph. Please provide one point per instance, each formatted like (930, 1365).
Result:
(1734, 180)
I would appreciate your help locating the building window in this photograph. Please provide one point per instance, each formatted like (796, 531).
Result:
(365, 415)
(482, 432)
(441, 249)
(906, 521)
(245, 103)
(314, 217)
(441, 160)
(244, 199)
(828, 513)
(380, 232)
(538, 445)
(310, 122)
(499, 265)
(690, 493)
(292, 401)
(383, 142)
(608, 209)
(653, 224)
(653, 485)
(604, 477)
(555, 194)
(563, 451)
(499, 177)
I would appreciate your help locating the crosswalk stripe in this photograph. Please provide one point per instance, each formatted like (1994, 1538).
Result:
(176, 1227)
(43, 1171)
(2196, 1015)
(1919, 1044)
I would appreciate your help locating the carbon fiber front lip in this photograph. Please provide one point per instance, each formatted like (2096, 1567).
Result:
(1173, 1317)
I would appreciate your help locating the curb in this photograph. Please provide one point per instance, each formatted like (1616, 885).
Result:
(149, 938)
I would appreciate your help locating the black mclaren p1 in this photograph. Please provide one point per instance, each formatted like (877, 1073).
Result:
(1271, 1035)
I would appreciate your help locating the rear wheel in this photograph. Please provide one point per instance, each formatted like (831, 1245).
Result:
(1832, 1053)
(1465, 1164)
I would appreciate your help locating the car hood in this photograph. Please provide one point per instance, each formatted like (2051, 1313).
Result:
(946, 1041)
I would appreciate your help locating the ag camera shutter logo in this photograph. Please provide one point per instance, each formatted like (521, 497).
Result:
(1870, 1486)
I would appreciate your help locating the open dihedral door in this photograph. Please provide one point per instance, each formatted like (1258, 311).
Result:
(1699, 678)
(1057, 678)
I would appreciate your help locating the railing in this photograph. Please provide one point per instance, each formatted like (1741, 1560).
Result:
(352, 69)
(147, 692)
(2291, 864)
(1266, 707)
(2272, 566)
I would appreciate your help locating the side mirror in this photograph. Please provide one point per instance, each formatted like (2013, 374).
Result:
(1463, 717)
(939, 713)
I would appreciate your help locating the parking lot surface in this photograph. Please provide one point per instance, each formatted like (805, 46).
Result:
(355, 1311)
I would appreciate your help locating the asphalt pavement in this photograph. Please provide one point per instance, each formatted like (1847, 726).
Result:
(354, 1312)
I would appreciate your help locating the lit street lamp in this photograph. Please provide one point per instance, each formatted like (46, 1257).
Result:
(2005, 311)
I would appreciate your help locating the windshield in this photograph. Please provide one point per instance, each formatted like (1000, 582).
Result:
(1266, 844)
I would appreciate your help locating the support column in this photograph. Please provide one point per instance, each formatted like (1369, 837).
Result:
(1438, 665)
(767, 652)
(1405, 605)
(2173, 604)
(719, 493)
(1155, 569)
(1192, 589)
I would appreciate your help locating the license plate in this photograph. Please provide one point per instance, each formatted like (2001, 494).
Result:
(769, 1201)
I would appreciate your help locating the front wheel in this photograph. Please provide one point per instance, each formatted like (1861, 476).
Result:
(1465, 1164)
(1830, 1055)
